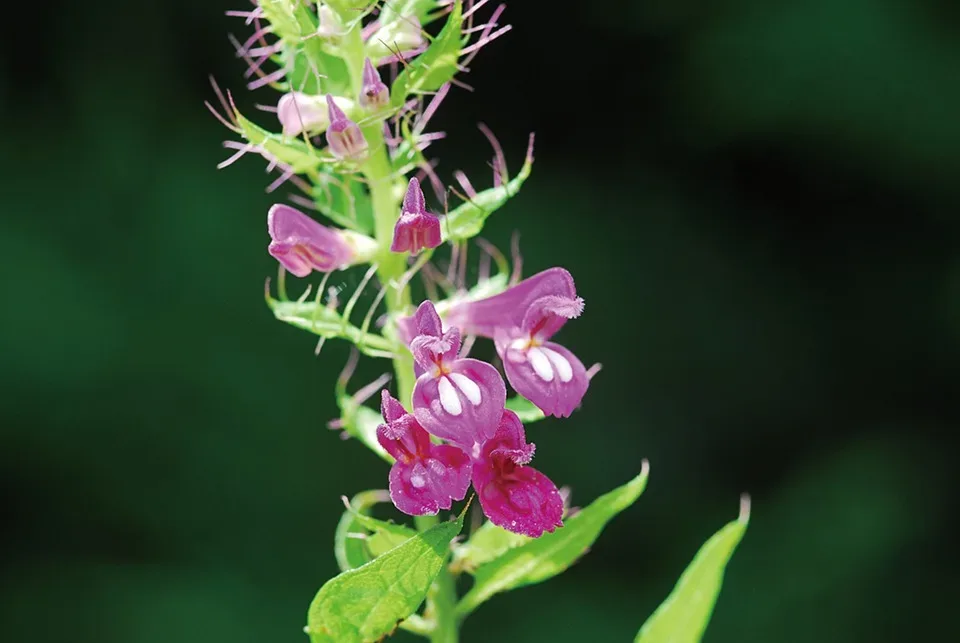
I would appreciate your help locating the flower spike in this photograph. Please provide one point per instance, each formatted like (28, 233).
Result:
(515, 496)
(302, 245)
(374, 94)
(416, 228)
(344, 137)
(426, 477)
(460, 400)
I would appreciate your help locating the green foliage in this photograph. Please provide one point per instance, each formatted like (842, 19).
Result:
(466, 220)
(683, 617)
(551, 554)
(487, 543)
(526, 410)
(365, 604)
(435, 66)
(343, 199)
(360, 538)
(294, 152)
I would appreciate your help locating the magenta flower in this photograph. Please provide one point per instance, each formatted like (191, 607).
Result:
(514, 496)
(374, 94)
(521, 320)
(302, 245)
(416, 228)
(426, 477)
(459, 400)
(344, 137)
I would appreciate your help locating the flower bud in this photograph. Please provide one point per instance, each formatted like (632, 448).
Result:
(374, 94)
(416, 228)
(398, 35)
(299, 112)
(344, 137)
(303, 245)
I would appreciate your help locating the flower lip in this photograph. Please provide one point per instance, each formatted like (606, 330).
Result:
(303, 245)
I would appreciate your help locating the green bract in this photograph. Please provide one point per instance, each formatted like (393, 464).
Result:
(683, 617)
(434, 67)
(467, 219)
(551, 554)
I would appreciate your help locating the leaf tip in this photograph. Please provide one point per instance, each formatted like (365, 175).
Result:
(644, 469)
(744, 517)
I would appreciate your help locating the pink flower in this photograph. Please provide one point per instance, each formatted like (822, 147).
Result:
(459, 400)
(515, 496)
(426, 477)
(374, 94)
(303, 245)
(344, 138)
(521, 320)
(298, 112)
(416, 228)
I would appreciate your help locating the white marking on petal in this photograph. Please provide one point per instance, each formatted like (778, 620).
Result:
(519, 344)
(468, 387)
(540, 364)
(449, 399)
(418, 481)
(560, 363)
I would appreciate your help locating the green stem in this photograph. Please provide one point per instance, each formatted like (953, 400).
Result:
(442, 598)
(441, 601)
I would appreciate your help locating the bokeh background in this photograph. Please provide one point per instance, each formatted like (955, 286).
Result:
(759, 202)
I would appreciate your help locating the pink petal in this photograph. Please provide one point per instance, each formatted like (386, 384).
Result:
(464, 405)
(513, 496)
(550, 376)
(510, 308)
(425, 486)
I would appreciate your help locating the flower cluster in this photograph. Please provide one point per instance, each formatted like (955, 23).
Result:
(461, 401)
(360, 81)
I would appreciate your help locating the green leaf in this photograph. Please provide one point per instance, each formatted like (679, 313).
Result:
(467, 220)
(526, 410)
(293, 152)
(365, 604)
(683, 617)
(435, 66)
(551, 554)
(485, 544)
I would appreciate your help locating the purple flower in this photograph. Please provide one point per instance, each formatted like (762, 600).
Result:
(521, 320)
(459, 400)
(426, 477)
(374, 94)
(344, 137)
(514, 496)
(302, 245)
(416, 228)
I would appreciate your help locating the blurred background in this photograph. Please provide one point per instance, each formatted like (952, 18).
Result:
(759, 204)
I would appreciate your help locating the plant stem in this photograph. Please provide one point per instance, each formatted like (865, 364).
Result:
(442, 597)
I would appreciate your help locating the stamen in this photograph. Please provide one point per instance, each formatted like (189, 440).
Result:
(540, 363)
(449, 399)
(560, 363)
(468, 387)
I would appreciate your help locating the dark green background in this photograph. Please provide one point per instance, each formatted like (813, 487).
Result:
(759, 203)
